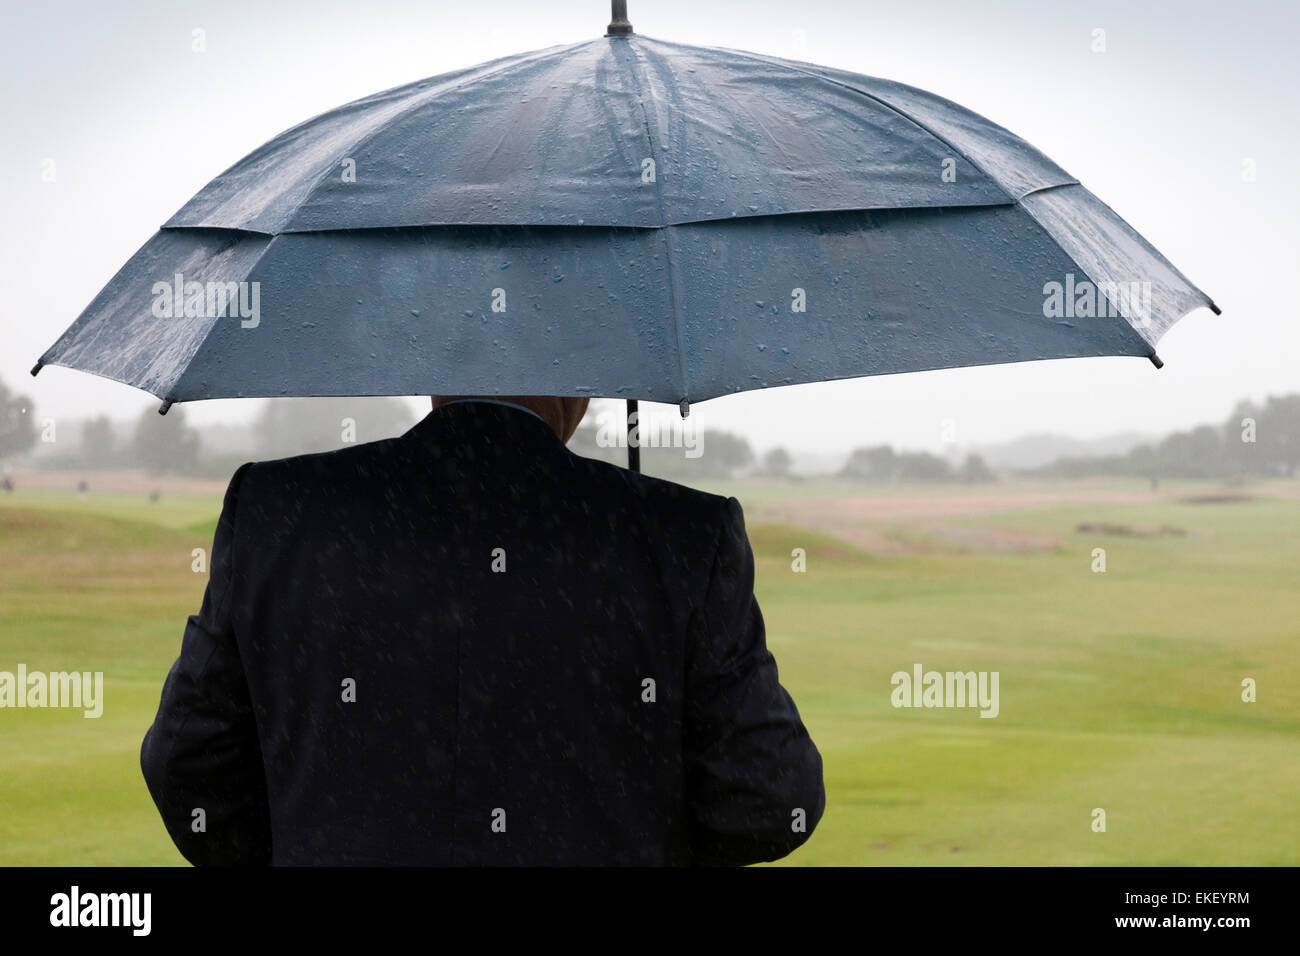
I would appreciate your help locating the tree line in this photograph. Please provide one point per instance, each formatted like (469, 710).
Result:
(1256, 440)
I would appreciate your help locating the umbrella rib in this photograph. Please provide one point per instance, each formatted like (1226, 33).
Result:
(663, 227)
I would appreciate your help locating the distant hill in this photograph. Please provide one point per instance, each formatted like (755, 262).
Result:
(1037, 451)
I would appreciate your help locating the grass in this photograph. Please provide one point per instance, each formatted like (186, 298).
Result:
(1119, 690)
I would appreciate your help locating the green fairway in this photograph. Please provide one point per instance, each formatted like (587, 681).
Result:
(1118, 690)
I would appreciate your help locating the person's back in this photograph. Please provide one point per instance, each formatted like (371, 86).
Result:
(468, 645)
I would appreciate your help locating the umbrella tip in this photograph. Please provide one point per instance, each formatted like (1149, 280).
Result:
(37, 367)
(684, 407)
(1215, 309)
(1155, 360)
(618, 22)
(166, 405)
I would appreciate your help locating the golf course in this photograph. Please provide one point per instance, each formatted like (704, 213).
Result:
(1121, 690)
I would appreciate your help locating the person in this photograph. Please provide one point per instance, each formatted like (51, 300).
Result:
(468, 645)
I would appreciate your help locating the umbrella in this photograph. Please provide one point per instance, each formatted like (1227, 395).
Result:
(625, 218)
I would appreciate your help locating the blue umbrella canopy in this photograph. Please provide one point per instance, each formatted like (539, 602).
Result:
(625, 218)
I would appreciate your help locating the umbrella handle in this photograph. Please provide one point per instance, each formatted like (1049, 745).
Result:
(618, 22)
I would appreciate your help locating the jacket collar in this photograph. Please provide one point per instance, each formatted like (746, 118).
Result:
(489, 425)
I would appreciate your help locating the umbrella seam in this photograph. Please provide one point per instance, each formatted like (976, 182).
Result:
(465, 224)
(508, 224)
(668, 251)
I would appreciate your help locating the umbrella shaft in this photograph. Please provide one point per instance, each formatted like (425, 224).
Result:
(633, 437)
(618, 23)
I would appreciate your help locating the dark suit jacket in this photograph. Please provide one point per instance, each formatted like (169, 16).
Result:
(468, 645)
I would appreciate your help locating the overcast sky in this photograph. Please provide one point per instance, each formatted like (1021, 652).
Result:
(1160, 127)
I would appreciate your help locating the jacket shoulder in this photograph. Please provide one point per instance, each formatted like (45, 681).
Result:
(281, 488)
(343, 460)
(667, 503)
